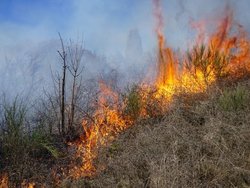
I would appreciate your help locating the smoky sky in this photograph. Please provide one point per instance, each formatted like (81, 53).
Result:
(105, 25)
(29, 29)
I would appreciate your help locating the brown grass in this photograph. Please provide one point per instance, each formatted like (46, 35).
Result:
(199, 144)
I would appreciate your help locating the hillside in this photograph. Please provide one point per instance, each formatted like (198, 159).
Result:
(202, 143)
(167, 118)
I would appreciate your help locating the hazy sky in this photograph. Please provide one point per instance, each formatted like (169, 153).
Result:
(29, 31)
(104, 24)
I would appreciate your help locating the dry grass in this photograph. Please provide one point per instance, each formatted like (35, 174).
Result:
(202, 141)
(195, 145)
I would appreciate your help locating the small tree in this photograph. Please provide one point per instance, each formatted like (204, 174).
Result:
(70, 78)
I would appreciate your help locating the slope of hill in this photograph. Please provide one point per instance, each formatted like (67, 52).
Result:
(201, 142)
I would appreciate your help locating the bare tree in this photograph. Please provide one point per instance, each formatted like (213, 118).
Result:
(67, 87)
(75, 52)
(63, 56)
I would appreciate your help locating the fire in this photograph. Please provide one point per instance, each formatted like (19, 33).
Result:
(28, 185)
(168, 78)
(106, 123)
(223, 53)
(4, 181)
(167, 64)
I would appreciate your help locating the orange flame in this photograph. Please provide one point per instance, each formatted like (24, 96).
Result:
(106, 123)
(223, 53)
(4, 181)
(28, 185)
(167, 64)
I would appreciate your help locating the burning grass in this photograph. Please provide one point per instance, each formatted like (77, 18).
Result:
(194, 145)
(224, 55)
(201, 136)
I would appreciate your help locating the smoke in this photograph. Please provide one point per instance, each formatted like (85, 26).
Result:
(182, 9)
(105, 27)
(159, 17)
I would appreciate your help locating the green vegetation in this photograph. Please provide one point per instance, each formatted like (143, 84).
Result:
(234, 99)
(133, 101)
(13, 138)
(21, 149)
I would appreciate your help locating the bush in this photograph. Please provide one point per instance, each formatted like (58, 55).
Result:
(144, 102)
(13, 138)
(41, 144)
(16, 138)
(210, 63)
(133, 102)
(234, 99)
(20, 148)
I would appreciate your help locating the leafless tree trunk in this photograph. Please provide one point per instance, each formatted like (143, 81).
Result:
(63, 56)
(75, 57)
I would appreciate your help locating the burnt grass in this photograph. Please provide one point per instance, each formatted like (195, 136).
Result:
(202, 141)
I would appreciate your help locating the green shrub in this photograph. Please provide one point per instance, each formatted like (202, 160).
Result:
(17, 142)
(133, 102)
(14, 117)
(13, 139)
(40, 143)
(234, 99)
(21, 149)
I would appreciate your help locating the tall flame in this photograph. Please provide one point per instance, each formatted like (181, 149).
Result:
(166, 63)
